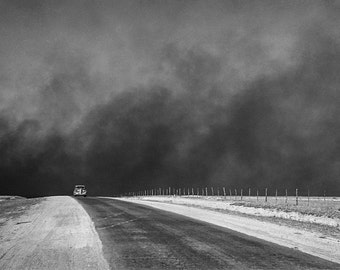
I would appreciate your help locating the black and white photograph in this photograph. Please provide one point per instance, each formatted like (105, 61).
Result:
(169, 134)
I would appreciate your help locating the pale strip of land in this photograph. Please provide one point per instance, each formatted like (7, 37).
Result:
(55, 233)
(318, 211)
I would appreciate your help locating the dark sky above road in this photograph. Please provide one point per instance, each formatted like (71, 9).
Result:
(130, 95)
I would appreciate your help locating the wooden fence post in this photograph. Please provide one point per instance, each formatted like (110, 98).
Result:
(286, 196)
(235, 194)
(308, 196)
(266, 194)
(296, 196)
(230, 193)
(224, 192)
(241, 194)
(276, 196)
(257, 195)
(249, 191)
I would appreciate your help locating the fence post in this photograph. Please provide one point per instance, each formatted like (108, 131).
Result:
(224, 192)
(266, 194)
(257, 195)
(297, 196)
(276, 196)
(212, 191)
(324, 195)
(286, 196)
(249, 191)
(206, 191)
(235, 194)
(218, 191)
(308, 196)
(241, 194)
(230, 193)
(192, 191)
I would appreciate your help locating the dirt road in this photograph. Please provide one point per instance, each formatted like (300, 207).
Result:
(141, 237)
(313, 242)
(99, 233)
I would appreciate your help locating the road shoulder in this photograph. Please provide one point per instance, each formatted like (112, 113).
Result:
(55, 233)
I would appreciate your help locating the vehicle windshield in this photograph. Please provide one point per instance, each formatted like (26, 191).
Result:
(80, 187)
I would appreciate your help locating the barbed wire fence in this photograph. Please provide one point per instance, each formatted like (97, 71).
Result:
(264, 195)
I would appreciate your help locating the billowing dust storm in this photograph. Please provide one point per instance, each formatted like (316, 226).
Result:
(132, 95)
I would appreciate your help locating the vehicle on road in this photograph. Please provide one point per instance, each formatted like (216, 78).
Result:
(79, 190)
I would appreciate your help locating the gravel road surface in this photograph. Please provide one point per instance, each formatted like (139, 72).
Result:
(140, 237)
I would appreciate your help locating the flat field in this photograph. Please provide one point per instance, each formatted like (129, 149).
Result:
(318, 206)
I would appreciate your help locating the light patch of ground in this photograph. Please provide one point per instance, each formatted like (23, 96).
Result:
(311, 242)
(4, 198)
(318, 212)
(52, 233)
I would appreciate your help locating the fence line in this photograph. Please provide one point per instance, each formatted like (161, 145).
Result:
(262, 195)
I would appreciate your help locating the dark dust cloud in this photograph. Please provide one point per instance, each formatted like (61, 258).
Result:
(132, 95)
